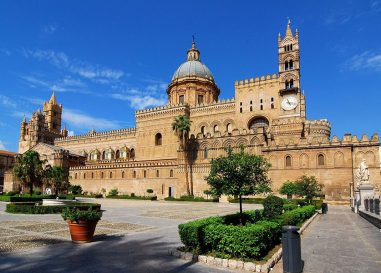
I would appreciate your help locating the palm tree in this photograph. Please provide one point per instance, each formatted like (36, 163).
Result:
(57, 178)
(181, 125)
(29, 169)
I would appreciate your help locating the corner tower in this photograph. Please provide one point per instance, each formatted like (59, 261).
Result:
(53, 113)
(192, 83)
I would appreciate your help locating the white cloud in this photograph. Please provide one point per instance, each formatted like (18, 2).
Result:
(67, 84)
(366, 60)
(82, 121)
(49, 29)
(140, 102)
(89, 71)
(2, 146)
(7, 102)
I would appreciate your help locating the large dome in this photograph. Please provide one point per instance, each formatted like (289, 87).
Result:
(193, 68)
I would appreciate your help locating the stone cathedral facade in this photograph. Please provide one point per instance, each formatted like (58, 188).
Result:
(267, 116)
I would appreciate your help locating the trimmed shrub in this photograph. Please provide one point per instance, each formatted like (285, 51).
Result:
(191, 199)
(75, 189)
(113, 192)
(152, 198)
(33, 208)
(296, 216)
(250, 241)
(192, 233)
(288, 207)
(249, 216)
(149, 190)
(272, 206)
(247, 200)
(11, 193)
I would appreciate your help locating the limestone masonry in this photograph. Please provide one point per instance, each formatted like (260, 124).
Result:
(267, 116)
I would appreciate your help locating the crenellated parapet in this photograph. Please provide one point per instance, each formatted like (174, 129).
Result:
(118, 164)
(255, 82)
(224, 105)
(167, 110)
(93, 135)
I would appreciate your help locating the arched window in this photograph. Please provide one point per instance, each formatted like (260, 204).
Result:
(205, 152)
(158, 139)
(229, 127)
(259, 122)
(122, 174)
(291, 83)
(215, 128)
(103, 155)
(117, 154)
(261, 107)
(75, 176)
(145, 174)
(286, 65)
(171, 173)
(272, 105)
(291, 64)
(92, 175)
(251, 108)
(203, 130)
(132, 154)
(84, 176)
(101, 174)
(321, 160)
(157, 173)
(288, 161)
(110, 174)
(134, 174)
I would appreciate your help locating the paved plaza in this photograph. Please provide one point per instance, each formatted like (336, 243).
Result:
(134, 236)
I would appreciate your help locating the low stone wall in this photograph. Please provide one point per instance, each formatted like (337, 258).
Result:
(371, 217)
(236, 264)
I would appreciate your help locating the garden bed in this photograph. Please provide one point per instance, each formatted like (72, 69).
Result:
(191, 199)
(37, 208)
(152, 198)
(33, 198)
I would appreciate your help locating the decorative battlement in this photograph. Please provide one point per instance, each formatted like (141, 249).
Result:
(256, 81)
(94, 134)
(112, 164)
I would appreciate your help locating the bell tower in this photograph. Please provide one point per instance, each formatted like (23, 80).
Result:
(53, 113)
(292, 101)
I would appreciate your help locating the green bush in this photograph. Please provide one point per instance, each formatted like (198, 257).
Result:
(191, 199)
(296, 216)
(249, 216)
(149, 190)
(75, 189)
(11, 193)
(113, 192)
(75, 214)
(192, 233)
(37, 192)
(33, 208)
(249, 241)
(291, 206)
(302, 202)
(152, 198)
(247, 200)
(5, 198)
(272, 206)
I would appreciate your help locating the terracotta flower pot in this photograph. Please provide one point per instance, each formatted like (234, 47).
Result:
(82, 231)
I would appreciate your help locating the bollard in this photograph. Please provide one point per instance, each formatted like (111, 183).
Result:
(324, 208)
(371, 207)
(366, 204)
(377, 206)
(292, 258)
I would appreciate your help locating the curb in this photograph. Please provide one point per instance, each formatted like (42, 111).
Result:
(236, 264)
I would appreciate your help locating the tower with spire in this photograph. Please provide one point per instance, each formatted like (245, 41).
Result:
(43, 126)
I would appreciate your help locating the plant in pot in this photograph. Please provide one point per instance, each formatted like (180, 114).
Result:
(81, 223)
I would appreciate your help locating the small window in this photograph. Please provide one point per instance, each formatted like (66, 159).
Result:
(229, 127)
(261, 107)
(134, 174)
(203, 130)
(75, 176)
(122, 174)
(251, 108)
(84, 176)
(181, 99)
(272, 99)
(205, 153)
(286, 65)
(110, 175)
(251, 102)
(240, 103)
(215, 128)
(291, 64)
(200, 99)
(92, 175)
(261, 100)
(240, 109)
(272, 105)
(288, 161)
(104, 155)
(290, 46)
(117, 154)
(101, 174)
(145, 174)
(157, 173)
(158, 139)
(321, 160)
(171, 173)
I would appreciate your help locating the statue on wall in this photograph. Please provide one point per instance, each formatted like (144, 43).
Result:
(362, 173)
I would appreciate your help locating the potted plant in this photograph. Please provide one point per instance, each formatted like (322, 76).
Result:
(81, 223)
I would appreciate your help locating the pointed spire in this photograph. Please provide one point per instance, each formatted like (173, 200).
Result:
(288, 30)
(53, 98)
(24, 119)
(193, 53)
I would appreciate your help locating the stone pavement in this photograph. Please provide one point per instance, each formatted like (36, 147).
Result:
(339, 242)
(133, 236)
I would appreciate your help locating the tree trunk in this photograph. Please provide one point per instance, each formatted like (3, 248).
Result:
(185, 164)
(31, 189)
(240, 208)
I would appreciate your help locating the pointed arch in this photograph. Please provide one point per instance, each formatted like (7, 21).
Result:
(304, 161)
(242, 141)
(338, 159)
(228, 143)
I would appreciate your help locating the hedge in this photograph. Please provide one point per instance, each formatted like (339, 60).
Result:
(152, 198)
(35, 198)
(191, 199)
(249, 241)
(303, 202)
(296, 216)
(33, 208)
(248, 216)
(247, 200)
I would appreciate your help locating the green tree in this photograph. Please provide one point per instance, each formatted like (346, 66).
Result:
(56, 178)
(181, 125)
(308, 187)
(239, 174)
(29, 169)
(288, 188)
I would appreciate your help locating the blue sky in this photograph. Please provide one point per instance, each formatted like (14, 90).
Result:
(106, 59)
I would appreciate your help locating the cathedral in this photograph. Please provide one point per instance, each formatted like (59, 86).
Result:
(267, 116)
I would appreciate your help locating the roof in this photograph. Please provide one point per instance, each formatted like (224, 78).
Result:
(57, 149)
(194, 68)
(8, 153)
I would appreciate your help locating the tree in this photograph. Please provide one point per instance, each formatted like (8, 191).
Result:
(181, 125)
(289, 188)
(308, 187)
(29, 169)
(56, 178)
(239, 174)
